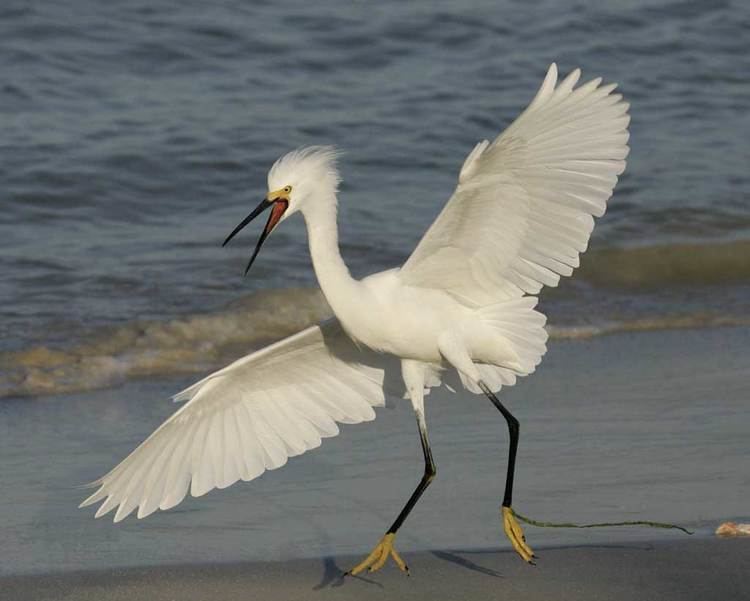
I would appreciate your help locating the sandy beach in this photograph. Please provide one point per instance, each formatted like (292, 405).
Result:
(700, 569)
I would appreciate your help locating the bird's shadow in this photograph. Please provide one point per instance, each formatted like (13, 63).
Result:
(333, 576)
(466, 563)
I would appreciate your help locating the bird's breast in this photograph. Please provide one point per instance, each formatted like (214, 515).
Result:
(402, 322)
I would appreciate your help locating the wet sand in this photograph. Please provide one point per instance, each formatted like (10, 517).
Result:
(699, 569)
(637, 426)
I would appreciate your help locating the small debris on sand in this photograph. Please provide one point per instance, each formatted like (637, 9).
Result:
(733, 529)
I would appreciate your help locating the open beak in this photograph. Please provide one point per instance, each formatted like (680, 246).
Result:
(279, 206)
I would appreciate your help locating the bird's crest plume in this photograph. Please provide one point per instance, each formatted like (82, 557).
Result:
(307, 164)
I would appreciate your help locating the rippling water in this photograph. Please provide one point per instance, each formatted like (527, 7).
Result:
(135, 136)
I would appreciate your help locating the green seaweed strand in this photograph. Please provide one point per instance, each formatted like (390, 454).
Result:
(602, 525)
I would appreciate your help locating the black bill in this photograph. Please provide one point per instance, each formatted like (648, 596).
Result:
(279, 207)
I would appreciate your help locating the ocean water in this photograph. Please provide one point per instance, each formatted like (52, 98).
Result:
(134, 136)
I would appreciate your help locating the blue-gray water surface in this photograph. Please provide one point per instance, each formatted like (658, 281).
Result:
(136, 135)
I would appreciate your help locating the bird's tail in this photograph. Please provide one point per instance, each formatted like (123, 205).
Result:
(515, 325)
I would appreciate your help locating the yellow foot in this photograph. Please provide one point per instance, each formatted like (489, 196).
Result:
(376, 560)
(514, 532)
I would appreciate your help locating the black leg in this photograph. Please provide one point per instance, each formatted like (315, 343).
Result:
(384, 549)
(513, 429)
(429, 475)
(511, 526)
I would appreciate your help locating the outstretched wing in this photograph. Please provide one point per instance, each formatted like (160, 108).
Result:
(247, 418)
(524, 205)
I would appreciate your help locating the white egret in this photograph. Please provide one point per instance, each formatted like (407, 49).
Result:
(463, 304)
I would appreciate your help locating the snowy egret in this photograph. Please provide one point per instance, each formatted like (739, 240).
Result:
(462, 305)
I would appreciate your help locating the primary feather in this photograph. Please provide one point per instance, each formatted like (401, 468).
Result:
(247, 418)
(524, 205)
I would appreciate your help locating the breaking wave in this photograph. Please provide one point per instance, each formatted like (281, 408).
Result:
(190, 344)
(195, 344)
(649, 267)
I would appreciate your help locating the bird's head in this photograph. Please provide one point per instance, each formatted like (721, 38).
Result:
(295, 181)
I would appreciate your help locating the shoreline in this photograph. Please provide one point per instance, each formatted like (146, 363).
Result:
(639, 426)
(110, 356)
(704, 568)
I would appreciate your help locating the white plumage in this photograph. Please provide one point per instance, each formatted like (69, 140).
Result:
(522, 211)
(247, 418)
(463, 303)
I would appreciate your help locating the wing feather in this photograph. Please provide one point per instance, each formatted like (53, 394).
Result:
(524, 206)
(246, 418)
(177, 482)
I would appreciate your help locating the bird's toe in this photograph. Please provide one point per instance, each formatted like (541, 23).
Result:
(379, 556)
(514, 532)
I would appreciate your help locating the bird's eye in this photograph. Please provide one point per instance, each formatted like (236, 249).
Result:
(287, 189)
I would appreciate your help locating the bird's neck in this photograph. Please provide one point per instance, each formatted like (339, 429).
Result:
(338, 286)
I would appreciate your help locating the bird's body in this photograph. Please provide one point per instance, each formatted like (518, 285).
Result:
(389, 316)
(462, 305)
